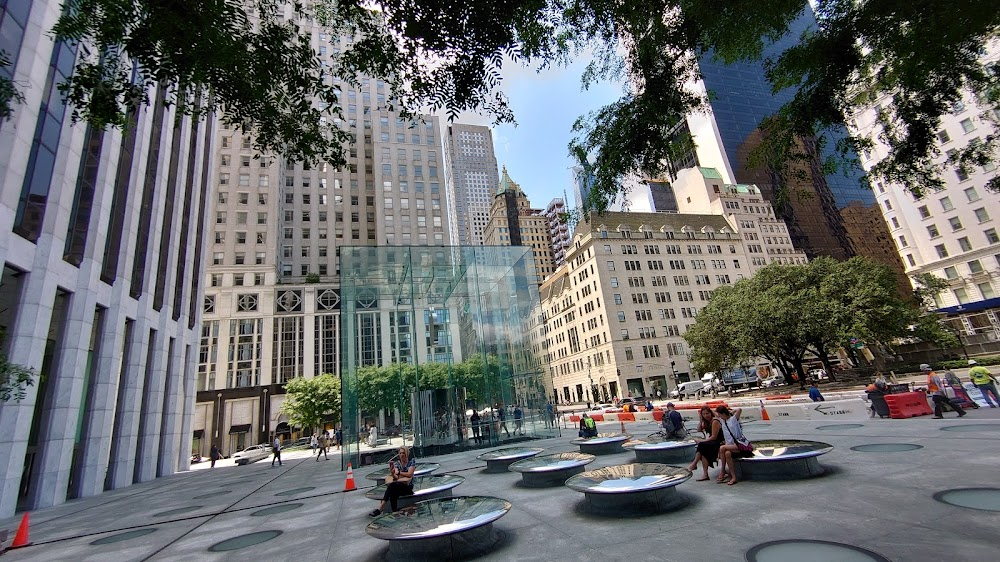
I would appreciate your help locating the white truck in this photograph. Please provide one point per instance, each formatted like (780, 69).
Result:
(688, 389)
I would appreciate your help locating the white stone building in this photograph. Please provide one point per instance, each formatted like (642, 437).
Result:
(953, 233)
(102, 252)
(632, 283)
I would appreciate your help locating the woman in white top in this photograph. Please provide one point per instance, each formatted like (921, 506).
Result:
(732, 432)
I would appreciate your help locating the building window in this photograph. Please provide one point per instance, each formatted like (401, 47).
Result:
(932, 231)
(942, 252)
(971, 194)
(946, 204)
(991, 236)
(967, 125)
(943, 136)
(924, 213)
(982, 215)
(910, 260)
(975, 266)
(247, 302)
(962, 296)
(621, 315)
(964, 244)
(987, 290)
(956, 224)
(902, 241)
(951, 272)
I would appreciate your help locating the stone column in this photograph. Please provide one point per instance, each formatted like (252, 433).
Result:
(151, 410)
(123, 450)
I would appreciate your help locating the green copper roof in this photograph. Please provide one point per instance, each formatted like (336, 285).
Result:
(710, 173)
(505, 182)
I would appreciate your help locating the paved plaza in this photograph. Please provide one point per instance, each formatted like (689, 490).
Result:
(880, 501)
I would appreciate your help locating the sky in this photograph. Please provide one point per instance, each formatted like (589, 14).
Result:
(545, 106)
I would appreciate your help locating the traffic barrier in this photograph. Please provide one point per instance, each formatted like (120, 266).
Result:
(574, 419)
(779, 397)
(907, 405)
(598, 417)
(787, 412)
(624, 417)
(646, 416)
(658, 415)
(608, 417)
(751, 414)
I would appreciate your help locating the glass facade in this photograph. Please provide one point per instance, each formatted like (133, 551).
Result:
(464, 340)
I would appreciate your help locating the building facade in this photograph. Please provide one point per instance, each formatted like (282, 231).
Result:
(555, 216)
(514, 223)
(102, 251)
(472, 181)
(828, 214)
(951, 233)
(277, 229)
(633, 283)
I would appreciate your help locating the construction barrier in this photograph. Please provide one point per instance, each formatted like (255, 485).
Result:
(598, 417)
(658, 415)
(779, 412)
(779, 397)
(646, 416)
(908, 405)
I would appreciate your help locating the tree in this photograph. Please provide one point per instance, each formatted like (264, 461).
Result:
(308, 402)
(252, 60)
(14, 380)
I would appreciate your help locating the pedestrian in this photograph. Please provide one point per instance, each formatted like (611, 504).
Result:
(550, 415)
(985, 382)
(324, 444)
(673, 423)
(338, 437)
(518, 419)
(314, 443)
(372, 436)
(503, 421)
(475, 420)
(276, 447)
(215, 455)
(814, 393)
(936, 389)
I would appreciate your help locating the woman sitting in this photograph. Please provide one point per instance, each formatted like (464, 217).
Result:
(707, 451)
(399, 482)
(732, 432)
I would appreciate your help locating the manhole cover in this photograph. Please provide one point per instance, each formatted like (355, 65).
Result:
(276, 509)
(177, 511)
(812, 550)
(244, 541)
(837, 426)
(887, 448)
(128, 535)
(983, 499)
(973, 427)
(294, 491)
(213, 494)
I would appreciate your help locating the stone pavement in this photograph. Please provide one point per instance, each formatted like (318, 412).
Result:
(880, 501)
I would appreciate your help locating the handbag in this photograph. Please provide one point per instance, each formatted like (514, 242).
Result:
(743, 444)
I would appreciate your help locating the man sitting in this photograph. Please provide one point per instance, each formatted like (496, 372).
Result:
(673, 423)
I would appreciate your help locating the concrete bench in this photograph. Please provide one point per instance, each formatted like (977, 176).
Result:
(498, 460)
(420, 469)
(603, 444)
(783, 459)
(550, 470)
(454, 528)
(664, 452)
(630, 488)
(424, 488)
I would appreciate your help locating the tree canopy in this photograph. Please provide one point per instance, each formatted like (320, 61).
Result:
(785, 312)
(308, 402)
(253, 61)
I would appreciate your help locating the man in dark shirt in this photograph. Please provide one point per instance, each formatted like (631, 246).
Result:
(673, 423)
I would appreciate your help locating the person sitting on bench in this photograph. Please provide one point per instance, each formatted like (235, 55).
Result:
(399, 482)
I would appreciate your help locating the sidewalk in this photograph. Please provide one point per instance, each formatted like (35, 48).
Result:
(881, 501)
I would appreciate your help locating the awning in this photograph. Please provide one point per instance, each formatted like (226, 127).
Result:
(971, 307)
(199, 433)
(239, 429)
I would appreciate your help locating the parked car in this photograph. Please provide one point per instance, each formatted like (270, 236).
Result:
(774, 380)
(639, 403)
(818, 374)
(252, 454)
(602, 407)
(690, 388)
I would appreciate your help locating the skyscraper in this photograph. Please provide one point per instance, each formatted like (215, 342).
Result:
(514, 223)
(272, 298)
(473, 177)
(102, 253)
(558, 230)
(827, 214)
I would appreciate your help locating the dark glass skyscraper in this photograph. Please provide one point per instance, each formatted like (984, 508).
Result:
(827, 214)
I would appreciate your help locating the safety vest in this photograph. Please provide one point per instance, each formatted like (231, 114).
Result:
(980, 375)
(931, 385)
(589, 422)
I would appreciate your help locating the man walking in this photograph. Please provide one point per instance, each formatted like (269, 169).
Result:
(984, 381)
(814, 393)
(215, 455)
(936, 388)
(314, 443)
(276, 447)
(673, 423)
(518, 419)
(324, 444)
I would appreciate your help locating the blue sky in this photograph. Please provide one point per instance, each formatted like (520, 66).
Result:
(545, 105)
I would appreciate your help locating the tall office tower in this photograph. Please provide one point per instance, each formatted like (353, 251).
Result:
(558, 230)
(514, 223)
(582, 184)
(827, 214)
(633, 283)
(102, 250)
(272, 302)
(473, 177)
(949, 233)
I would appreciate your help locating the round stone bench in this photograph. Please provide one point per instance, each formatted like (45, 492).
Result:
(550, 470)
(420, 469)
(424, 488)
(441, 529)
(498, 460)
(663, 452)
(783, 459)
(632, 488)
(603, 444)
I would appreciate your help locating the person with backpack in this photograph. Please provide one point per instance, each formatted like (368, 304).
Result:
(276, 447)
(673, 423)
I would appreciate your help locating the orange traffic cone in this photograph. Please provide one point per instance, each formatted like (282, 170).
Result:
(763, 412)
(21, 538)
(349, 485)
